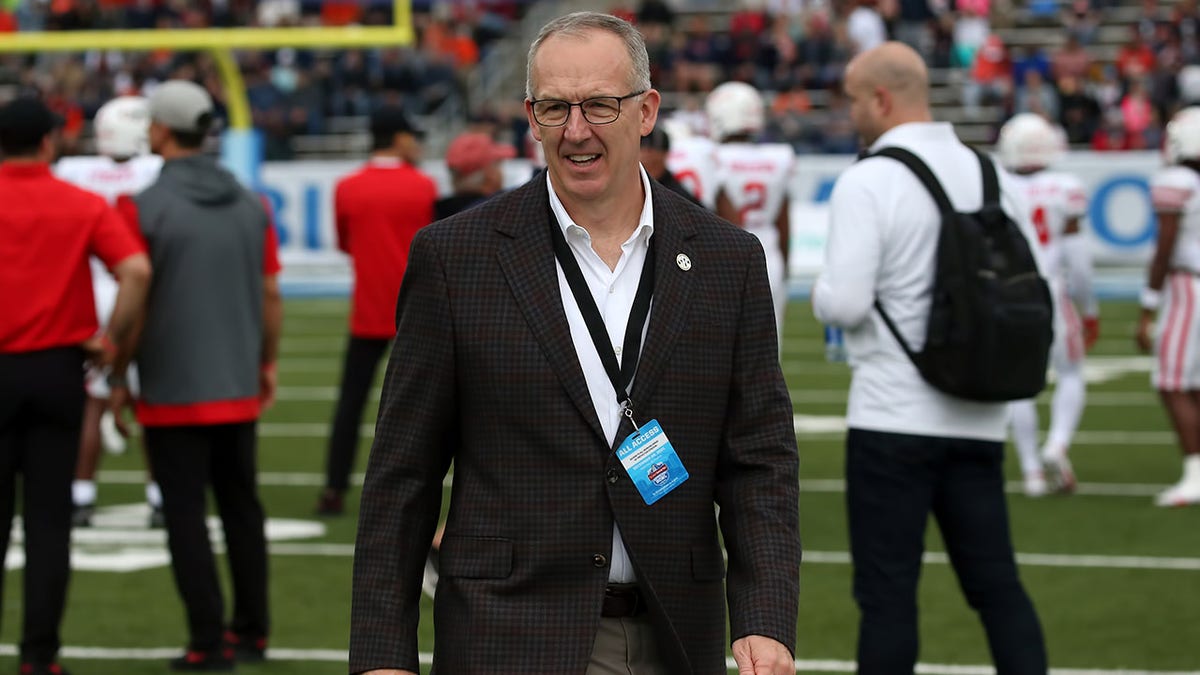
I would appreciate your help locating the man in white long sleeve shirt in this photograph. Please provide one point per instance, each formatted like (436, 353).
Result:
(911, 449)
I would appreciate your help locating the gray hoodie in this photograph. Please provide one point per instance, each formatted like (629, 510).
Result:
(202, 341)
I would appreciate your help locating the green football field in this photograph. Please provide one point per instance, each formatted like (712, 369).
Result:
(1115, 579)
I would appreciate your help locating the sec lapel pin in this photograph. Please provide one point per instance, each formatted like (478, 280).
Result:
(684, 262)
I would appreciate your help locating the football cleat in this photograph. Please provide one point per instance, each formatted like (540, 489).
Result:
(81, 515)
(1183, 493)
(1035, 484)
(196, 661)
(331, 503)
(1060, 477)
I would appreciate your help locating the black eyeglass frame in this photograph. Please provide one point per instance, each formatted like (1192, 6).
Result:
(566, 118)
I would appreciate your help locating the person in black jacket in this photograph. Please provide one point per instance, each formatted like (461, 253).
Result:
(655, 146)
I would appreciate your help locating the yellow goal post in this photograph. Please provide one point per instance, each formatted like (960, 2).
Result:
(239, 149)
(219, 42)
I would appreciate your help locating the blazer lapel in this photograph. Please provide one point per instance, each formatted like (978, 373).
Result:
(528, 264)
(672, 289)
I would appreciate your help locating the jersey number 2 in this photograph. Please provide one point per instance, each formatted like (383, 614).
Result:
(756, 195)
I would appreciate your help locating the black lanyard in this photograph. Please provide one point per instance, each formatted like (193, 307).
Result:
(621, 375)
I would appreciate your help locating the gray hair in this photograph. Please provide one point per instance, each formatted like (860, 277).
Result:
(578, 25)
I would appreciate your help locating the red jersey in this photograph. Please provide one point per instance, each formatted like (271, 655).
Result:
(48, 229)
(378, 209)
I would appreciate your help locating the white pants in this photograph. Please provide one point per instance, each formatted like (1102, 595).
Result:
(1070, 390)
(1176, 367)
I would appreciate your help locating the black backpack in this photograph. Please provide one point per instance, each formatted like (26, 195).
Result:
(991, 319)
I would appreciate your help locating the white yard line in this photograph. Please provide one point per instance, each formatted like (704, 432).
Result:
(314, 394)
(1110, 562)
(1102, 399)
(329, 345)
(1098, 399)
(308, 366)
(822, 485)
(834, 427)
(426, 658)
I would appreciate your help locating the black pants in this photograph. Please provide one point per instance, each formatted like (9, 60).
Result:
(186, 460)
(358, 372)
(41, 411)
(893, 483)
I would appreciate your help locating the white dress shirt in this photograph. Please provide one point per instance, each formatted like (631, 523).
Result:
(613, 290)
(882, 244)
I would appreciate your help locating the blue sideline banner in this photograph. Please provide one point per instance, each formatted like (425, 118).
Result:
(1120, 225)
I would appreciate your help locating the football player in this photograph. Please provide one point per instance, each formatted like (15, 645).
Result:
(1027, 146)
(1172, 287)
(752, 178)
(123, 166)
(692, 160)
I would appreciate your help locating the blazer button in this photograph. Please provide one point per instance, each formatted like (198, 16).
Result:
(599, 560)
(613, 476)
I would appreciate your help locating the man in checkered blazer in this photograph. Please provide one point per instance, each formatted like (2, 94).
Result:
(519, 323)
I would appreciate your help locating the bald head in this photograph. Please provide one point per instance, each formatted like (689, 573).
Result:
(898, 68)
(887, 86)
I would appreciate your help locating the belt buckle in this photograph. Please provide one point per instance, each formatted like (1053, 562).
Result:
(630, 599)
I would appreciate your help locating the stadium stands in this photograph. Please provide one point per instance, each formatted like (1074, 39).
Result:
(1109, 69)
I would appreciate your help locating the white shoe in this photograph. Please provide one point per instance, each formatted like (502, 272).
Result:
(430, 581)
(1059, 475)
(1183, 493)
(110, 438)
(1035, 484)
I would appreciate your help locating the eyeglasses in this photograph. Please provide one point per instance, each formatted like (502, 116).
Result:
(550, 112)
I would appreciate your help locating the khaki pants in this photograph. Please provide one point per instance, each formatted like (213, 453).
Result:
(626, 647)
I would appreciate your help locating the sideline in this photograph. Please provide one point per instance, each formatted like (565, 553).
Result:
(426, 658)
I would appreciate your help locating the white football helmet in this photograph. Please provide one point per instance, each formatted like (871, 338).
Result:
(1188, 80)
(1028, 141)
(122, 127)
(1183, 136)
(734, 108)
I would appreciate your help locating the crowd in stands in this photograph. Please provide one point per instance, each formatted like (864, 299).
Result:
(793, 50)
(291, 91)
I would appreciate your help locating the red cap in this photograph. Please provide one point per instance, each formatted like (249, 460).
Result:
(471, 152)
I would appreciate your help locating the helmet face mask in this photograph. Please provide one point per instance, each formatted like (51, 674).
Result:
(122, 127)
(1183, 136)
(734, 108)
(1029, 142)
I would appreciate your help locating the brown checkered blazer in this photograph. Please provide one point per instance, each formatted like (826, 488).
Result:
(484, 373)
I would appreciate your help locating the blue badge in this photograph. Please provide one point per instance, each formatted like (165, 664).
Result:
(651, 462)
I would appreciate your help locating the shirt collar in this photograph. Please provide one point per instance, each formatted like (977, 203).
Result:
(18, 169)
(914, 133)
(645, 226)
(385, 162)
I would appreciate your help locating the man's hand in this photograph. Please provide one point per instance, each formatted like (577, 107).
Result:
(758, 655)
(119, 399)
(389, 672)
(1145, 332)
(99, 350)
(1091, 331)
(268, 381)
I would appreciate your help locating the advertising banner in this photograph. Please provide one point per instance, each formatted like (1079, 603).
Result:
(1120, 225)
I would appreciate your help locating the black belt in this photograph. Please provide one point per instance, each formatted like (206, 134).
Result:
(622, 600)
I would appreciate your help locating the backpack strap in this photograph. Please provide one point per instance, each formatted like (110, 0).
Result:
(934, 186)
(991, 182)
(923, 173)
